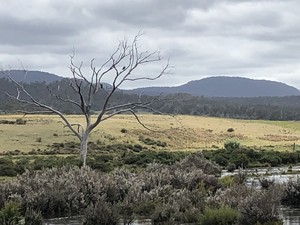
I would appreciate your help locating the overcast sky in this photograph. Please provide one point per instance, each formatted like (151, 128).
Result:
(251, 38)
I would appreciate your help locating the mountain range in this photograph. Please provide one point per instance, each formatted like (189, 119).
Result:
(226, 87)
(220, 86)
(31, 76)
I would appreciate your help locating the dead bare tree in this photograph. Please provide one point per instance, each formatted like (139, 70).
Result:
(120, 66)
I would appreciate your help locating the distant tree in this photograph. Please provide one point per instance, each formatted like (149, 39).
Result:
(120, 67)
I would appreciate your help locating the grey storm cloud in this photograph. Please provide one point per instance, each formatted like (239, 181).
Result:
(252, 38)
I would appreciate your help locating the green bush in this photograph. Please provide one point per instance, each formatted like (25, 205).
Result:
(231, 167)
(273, 160)
(220, 160)
(145, 208)
(102, 163)
(230, 130)
(164, 215)
(291, 194)
(7, 167)
(240, 160)
(33, 217)
(102, 213)
(20, 121)
(260, 206)
(226, 181)
(221, 216)
(149, 141)
(231, 145)
(10, 214)
(7, 122)
(123, 130)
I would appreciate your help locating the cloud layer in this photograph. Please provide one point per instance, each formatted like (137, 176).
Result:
(252, 38)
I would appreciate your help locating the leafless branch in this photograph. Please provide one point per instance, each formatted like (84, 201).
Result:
(34, 112)
(33, 101)
(120, 66)
(130, 110)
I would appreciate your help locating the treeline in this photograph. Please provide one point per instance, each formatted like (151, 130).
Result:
(266, 108)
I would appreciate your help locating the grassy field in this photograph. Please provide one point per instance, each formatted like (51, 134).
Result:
(180, 132)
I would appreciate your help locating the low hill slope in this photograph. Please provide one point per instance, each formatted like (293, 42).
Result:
(226, 87)
(31, 76)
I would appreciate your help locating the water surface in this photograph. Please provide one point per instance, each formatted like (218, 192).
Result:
(78, 221)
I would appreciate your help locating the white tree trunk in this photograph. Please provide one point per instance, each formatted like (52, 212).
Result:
(84, 148)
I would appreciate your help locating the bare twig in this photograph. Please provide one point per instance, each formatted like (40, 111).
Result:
(120, 65)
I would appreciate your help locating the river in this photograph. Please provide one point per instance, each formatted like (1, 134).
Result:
(78, 221)
(289, 217)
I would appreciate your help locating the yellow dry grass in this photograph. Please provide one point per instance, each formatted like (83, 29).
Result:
(180, 132)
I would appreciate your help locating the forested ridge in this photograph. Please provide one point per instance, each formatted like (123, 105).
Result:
(269, 108)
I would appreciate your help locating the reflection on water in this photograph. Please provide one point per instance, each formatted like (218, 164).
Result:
(78, 221)
(64, 221)
(290, 216)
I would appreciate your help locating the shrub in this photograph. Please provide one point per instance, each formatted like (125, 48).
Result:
(230, 130)
(221, 216)
(291, 196)
(149, 141)
(273, 160)
(226, 181)
(164, 215)
(10, 214)
(7, 122)
(240, 177)
(20, 121)
(260, 206)
(145, 208)
(137, 148)
(33, 217)
(231, 145)
(55, 192)
(38, 139)
(240, 160)
(265, 183)
(220, 160)
(230, 197)
(123, 130)
(102, 213)
(7, 167)
(231, 167)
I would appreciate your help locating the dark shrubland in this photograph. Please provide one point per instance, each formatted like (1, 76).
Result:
(187, 191)
(234, 156)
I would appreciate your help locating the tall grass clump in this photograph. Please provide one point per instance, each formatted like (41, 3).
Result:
(10, 214)
(221, 216)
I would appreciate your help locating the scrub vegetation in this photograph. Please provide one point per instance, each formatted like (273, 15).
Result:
(188, 191)
(171, 177)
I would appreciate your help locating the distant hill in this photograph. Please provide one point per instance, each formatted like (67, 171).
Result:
(210, 87)
(225, 87)
(31, 76)
(267, 108)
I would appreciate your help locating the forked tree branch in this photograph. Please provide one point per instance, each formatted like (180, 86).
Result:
(120, 67)
(33, 101)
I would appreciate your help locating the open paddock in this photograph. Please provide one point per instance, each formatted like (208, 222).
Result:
(179, 132)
